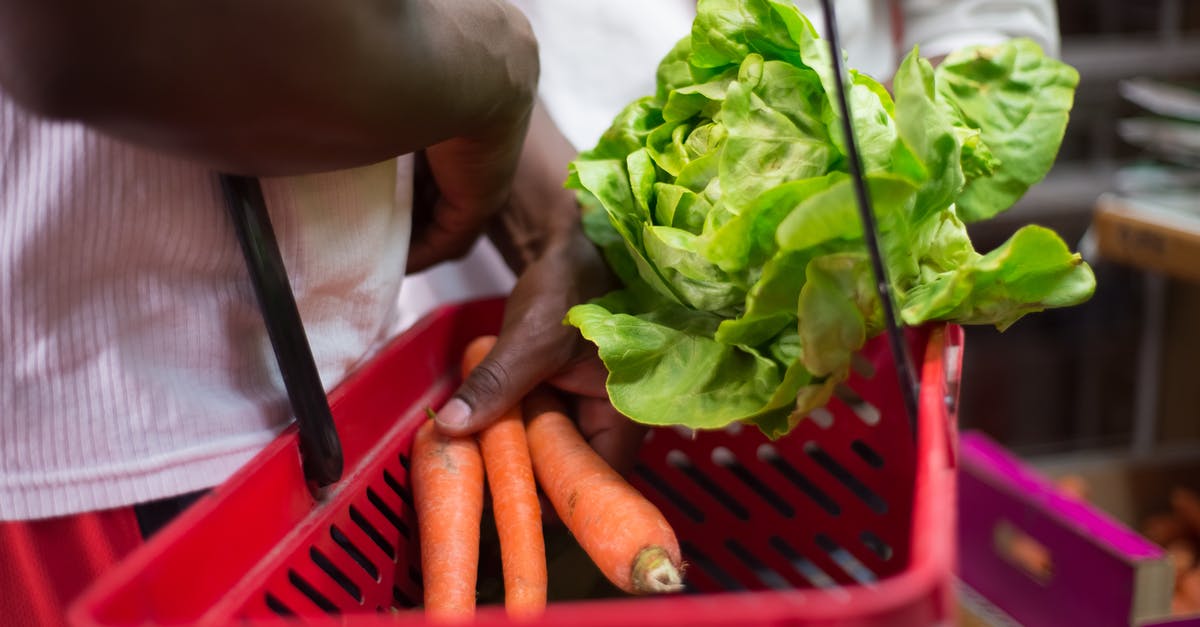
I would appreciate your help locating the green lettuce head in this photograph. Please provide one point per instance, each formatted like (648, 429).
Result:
(723, 204)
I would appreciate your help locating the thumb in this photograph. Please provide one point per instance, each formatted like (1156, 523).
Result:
(497, 374)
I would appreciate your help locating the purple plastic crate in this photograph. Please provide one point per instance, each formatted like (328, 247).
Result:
(1048, 559)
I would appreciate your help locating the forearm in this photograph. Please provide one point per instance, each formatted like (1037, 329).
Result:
(274, 86)
(542, 216)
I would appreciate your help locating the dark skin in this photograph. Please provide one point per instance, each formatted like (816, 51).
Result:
(273, 88)
(541, 239)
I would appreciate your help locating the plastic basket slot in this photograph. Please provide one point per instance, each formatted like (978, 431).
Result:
(399, 488)
(876, 545)
(348, 547)
(402, 600)
(685, 433)
(697, 558)
(768, 453)
(862, 366)
(344, 574)
(846, 560)
(757, 543)
(767, 576)
(311, 593)
(869, 547)
(866, 411)
(811, 573)
(850, 427)
(277, 606)
(670, 494)
(680, 461)
(371, 532)
(392, 517)
(821, 417)
(403, 461)
(335, 574)
(725, 458)
(890, 441)
(716, 550)
(414, 576)
(280, 597)
(866, 453)
(844, 477)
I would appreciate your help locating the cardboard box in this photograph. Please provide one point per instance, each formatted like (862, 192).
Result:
(1149, 235)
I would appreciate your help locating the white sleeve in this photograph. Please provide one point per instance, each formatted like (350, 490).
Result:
(941, 26)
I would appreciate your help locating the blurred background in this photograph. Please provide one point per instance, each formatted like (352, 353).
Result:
(1119, 371)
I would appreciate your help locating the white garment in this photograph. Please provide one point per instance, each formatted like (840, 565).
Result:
(598, 55)
(134, 362)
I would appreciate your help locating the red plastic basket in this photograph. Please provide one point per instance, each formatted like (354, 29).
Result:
(845, 521)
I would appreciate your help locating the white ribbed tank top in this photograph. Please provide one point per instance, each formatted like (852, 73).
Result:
(134, 363)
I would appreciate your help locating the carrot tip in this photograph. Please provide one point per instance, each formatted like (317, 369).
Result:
(654, 572)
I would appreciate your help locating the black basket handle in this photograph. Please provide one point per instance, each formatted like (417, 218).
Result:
(909, 385)
(320, 448)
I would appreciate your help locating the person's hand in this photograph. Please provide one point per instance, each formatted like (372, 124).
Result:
(540, 236)
(534, 346)
(615, 437)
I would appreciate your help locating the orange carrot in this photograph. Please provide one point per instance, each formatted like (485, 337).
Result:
(1188, 587)
(1182, 554)
(1074, 486)
(1163, 529)
(1181, 604)
(1186, 504)
(624, 534)
(447, 482)
(514, 502)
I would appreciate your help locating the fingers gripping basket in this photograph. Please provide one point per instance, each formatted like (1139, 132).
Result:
(845, 521)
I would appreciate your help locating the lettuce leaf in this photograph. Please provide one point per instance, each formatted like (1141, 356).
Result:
(665, 367)
(1019, 100)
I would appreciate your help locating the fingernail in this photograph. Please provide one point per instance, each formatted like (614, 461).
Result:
(455, 414)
